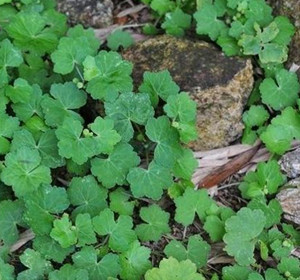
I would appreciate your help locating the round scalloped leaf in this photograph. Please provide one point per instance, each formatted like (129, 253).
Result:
(281, 91)
(241, 233)
(154, 228)
(87, 258)
(24, 171)
(171, 269)
(107, 75)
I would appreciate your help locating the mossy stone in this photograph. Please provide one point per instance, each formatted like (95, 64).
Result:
(220, 85)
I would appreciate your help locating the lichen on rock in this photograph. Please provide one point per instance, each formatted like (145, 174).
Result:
(289, 200)
(89, 13)
(220, 85)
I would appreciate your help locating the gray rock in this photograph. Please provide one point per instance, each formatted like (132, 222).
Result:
(290, 163)
(89, 13)
(220, 85)
(291, 9)
(290, 202)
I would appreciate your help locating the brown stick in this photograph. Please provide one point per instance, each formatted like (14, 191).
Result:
(219, 174)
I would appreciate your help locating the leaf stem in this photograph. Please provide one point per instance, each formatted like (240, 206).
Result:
(79, 73)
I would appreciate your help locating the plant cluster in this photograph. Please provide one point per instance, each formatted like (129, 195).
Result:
(247, 28)
(100, 188)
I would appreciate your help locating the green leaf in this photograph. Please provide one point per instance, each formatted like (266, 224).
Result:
(241, 233)
(87, 195)
(36, 126)
(24, 111)
(87, 258)
(277, 139)
(215, 224)
(257, 115)
(149, 182)
(171, 269)
(3, 100)
(38, 268)
(197, 250)
(272, 210)
(106, 137)
(208, 22)
(281, 92)
(215, 227)
(229, 45)
(283, 129)
(159, 84)
(150, 29)
(50, 249)
(41, 206)
(120, 232)
(4, 146)
(64, 232)
(260, 11)
(47, 146)
(10, 56)
(70, 53)
(264, 42)
(273, 53)
(154, 228)
(162, 6)
(235, 272)
(135, 262)
(289, 119)
(118, 162)
(168, 149)
(280, 249)
(292, 233)
(6, 271)
(85, 231)
(24, 171)
(265, 180)
(269, 175)
(20, 92)
(290, 266)
(28, 29)
(107, 75)
(233, 4)
(251, 44)
(238, 28)
(269, 33)
(65, 98)
(78, 169)
(286, 30)
(8, 126)
(119, 202)
(249, 136)
(191, 203)
(11, 215)
(119, 38)
(270, 274)
(177, 189)
(69, 272)
(38, 71)
(264, 250)
(185, 165)
(129, 107)
(182, 110)
(88, 33)
(176, 22)
(70, 143)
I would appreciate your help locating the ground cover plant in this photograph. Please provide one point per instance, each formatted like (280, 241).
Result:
(103, 189)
